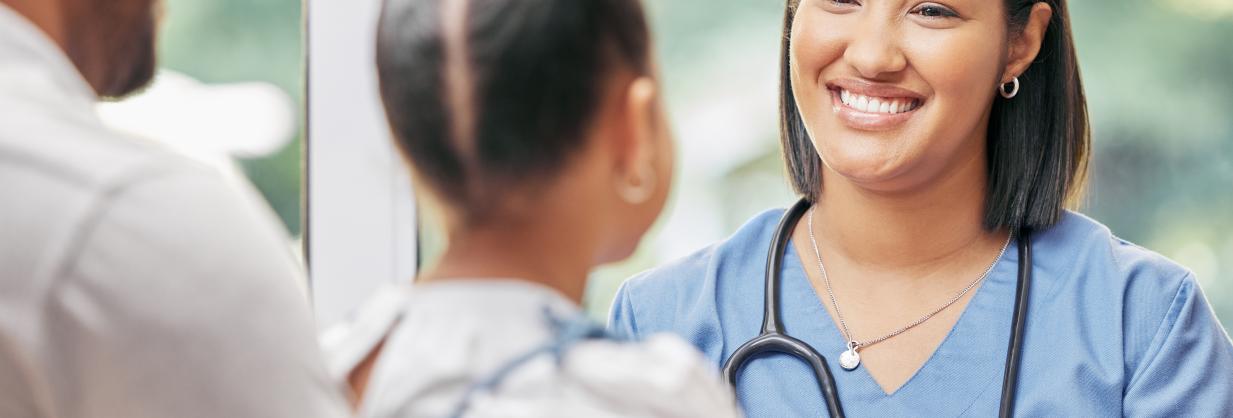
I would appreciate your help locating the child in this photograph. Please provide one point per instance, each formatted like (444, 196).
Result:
(536, 127)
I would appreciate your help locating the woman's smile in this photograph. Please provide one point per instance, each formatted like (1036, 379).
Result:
(872, 107)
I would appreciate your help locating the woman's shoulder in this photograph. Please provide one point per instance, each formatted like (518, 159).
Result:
(657, 299)
(1090, 274)
(1172, 342)
(1086, 249)
(1082, 260)
(749, 242)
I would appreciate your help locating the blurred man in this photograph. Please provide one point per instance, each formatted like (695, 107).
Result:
(132, 283)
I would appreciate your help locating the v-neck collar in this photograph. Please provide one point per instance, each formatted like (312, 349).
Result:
(961, 368)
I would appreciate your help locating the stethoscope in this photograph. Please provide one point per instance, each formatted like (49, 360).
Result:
(772, 339)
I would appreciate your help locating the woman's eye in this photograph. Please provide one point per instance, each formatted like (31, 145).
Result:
(934, 11)
(840, 6)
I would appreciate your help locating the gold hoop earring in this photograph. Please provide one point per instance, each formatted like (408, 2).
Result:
(641, 188)
(1014, 91)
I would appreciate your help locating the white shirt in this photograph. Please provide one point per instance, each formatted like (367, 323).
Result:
(134, 283)
(441, 338)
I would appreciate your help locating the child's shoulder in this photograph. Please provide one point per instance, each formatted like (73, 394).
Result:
(661, 375)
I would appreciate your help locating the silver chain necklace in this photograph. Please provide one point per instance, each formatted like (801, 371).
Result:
(850, 359)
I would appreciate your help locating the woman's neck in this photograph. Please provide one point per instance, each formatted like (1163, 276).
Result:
(906, 229)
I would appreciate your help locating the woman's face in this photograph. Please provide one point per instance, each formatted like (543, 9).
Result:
(896, 93)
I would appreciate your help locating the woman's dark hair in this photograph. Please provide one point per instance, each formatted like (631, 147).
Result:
(1038, 143)
(487, 97)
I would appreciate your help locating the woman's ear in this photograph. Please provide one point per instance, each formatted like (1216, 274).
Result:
(1025, 46)
(636, 168)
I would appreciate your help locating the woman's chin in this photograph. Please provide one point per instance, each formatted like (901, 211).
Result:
(869, 171)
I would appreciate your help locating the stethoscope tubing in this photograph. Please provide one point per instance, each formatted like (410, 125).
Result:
(772, 338)
(1010, 381)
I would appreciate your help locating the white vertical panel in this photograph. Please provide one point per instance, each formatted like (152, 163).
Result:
(359, 204)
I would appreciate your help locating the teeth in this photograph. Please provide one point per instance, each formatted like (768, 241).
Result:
(882, 105)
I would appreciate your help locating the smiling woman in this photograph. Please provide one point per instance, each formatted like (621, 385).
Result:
(952, 52)
(933, 142)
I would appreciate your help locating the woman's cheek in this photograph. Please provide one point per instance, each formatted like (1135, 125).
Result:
(801, 65)
(817, 43)
(957, 64)
(814, 52)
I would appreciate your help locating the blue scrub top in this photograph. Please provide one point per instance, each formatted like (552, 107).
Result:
(1112, 330)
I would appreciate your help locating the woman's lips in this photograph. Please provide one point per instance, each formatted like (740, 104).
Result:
(872, 113)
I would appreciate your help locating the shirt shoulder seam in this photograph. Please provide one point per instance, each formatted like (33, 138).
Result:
(1162, 329)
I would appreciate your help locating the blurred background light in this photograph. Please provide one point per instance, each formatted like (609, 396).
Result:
(241, 120)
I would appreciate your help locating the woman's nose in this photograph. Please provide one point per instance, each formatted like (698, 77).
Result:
(874, 50)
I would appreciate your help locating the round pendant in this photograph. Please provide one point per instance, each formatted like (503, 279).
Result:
(850, 359)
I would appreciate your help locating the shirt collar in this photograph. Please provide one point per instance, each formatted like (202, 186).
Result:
(27, 51)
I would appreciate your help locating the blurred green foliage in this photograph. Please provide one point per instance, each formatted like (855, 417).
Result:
(219, 41)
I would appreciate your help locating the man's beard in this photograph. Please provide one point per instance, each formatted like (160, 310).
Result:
(114, 51)
(136, 67)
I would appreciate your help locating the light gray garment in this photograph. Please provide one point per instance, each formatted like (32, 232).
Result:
(441, 338)
(134, 283)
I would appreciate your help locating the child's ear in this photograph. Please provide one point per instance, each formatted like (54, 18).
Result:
(636, 158)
